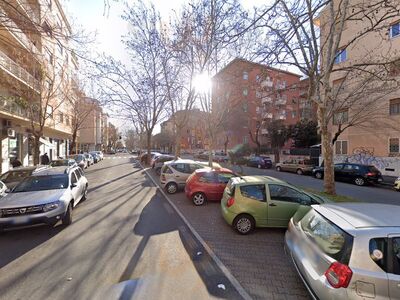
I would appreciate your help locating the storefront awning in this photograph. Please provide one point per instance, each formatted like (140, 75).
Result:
(47, 143)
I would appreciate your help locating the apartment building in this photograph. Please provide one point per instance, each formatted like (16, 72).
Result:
(375, 136)
(37, 69)
(256, 94)
(193, 135)
(93, 134)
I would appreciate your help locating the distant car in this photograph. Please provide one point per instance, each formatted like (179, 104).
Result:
(144, 156)
(160, 160)
(397, 184)
(81, 160)
(355, 173)
(46, 197)
(174, 173)
(207, 185)
(96, 157)
(89, 158)
(13, 177)
(220, 157)
(262, 201)
(260, 162)
(100, 154)
(68, 162)
(347, 250)
(112, 152)
(299, 166)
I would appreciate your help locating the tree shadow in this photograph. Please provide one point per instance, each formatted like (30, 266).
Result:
(158, 217)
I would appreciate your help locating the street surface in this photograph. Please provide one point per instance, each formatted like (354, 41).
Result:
(125, 240)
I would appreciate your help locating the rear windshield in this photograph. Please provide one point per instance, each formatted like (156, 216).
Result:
(373, 169)
(332, 240)
(166, 169)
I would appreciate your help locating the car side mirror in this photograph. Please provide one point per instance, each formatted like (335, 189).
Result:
(73, 185)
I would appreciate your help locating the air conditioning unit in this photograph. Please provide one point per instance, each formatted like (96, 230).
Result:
(11, 133)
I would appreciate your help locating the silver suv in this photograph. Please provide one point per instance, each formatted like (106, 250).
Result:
(348, 250)
(46, 197)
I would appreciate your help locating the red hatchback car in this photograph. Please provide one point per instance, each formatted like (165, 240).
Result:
(207, 185)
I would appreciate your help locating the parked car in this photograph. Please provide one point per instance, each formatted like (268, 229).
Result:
(348, 250)
(355, 173)
(299, 166)
(89, 159)
(174, 173)
(259, 162)
(397, 184)
(81, 160)
(262, 201)
(96, 157)
(100, 154)
(67, 162)
(207, 185)
(13, 177)
(47, 196)
(144, 156)
(160, 160)
(220, 157)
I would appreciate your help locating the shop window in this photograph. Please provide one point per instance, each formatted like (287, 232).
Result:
(394, 145)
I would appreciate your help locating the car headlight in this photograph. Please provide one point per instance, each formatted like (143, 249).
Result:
(51, 206)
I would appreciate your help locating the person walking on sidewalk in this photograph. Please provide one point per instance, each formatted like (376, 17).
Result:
(45, 160)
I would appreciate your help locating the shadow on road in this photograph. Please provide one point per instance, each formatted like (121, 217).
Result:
(158, 217)
(111, 181)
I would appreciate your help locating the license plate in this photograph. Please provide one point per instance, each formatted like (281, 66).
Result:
(20, 220)
(379, 179)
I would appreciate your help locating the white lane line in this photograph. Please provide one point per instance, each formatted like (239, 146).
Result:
(210, 252)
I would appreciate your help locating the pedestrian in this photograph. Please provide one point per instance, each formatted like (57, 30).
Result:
(45, 159)
(15, 163)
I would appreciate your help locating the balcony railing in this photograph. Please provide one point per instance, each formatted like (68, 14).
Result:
(17, 32)
(17, 71)
(9, 105)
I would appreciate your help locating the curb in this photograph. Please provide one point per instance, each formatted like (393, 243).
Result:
(242, 292)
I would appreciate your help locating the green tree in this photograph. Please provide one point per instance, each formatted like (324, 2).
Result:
(305, 133)
(279, 134)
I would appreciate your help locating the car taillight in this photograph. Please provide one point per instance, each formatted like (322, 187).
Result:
(338, 275)
(230, 202)
(163, 177)
(370, 174)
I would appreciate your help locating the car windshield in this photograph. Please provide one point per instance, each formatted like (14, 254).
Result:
(41, 183)
(59, 163)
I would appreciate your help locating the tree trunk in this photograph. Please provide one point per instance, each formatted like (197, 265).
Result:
(178, 143)
(226, 145)
(36, 150)
(148, 148)
(327, 153)
(72, 144)
(210, 154)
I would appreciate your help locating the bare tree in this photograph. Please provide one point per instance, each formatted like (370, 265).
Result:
(309, 36)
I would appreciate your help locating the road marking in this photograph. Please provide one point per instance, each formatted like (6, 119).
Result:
(210, 252)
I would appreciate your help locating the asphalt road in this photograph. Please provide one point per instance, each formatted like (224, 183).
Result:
(125, 242)
(373, 194)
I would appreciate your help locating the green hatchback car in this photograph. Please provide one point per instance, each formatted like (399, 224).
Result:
(263, 201)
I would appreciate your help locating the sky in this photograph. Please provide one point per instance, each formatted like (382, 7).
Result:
(92, 16)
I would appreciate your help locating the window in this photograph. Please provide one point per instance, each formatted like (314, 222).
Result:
(225, 177)
(396, 255)
(341, 147)
(245, 92)
(341, 56)
(394, 107)
(166, 170)
(49, 111)
(193, 167)
(73, 178)
(245, 75)
(244, 107)
(378, 251)
(340, 117)
(67, 120)
(283, 193)
(61, 116)
(395, 30)
(77, 174)
(208, 177)
(180, 168)
(245, 139)
(258, 94)
(255, 192)
(294, 114)
(332, 240)
(338, 167)
(394, 145)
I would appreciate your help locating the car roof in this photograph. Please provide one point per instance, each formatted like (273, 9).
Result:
(53, 171)
(352, 215)
(258, 179)
(181, 161)
(218, 170)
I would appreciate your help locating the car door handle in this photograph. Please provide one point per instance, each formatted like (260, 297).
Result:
(272, 204)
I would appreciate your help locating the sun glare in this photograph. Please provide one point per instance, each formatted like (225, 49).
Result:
(202, 83)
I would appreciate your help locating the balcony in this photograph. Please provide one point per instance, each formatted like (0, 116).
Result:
(18, 34)
(15, 70)
(267, 83)
(27, 8)
(267, 115)
(266, 100)
(10, 106)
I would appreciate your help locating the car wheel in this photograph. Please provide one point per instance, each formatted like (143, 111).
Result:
(278, 169)
(67, 219)
(318, 175)
(172, 188)
(299, 172)
(198, 199)
(244, 224)
(359, 181)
